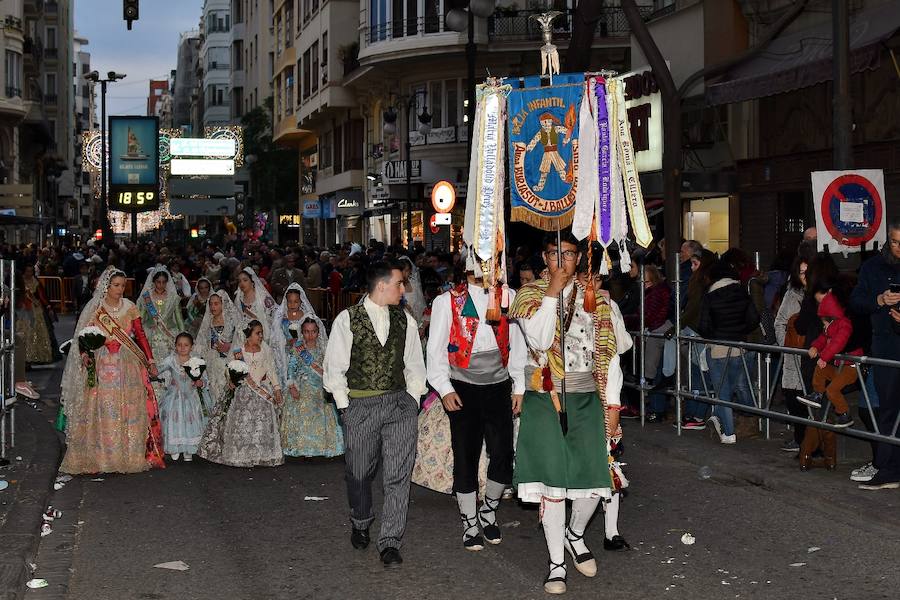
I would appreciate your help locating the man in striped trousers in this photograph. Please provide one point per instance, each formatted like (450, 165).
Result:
(375, 371)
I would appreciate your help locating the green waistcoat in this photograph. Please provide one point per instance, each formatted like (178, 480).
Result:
(373, 367)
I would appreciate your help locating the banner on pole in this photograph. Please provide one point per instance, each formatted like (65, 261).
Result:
(543, 150)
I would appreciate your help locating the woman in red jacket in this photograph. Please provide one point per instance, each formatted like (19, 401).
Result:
(831, 375)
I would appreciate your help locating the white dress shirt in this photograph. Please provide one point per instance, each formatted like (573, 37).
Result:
(340, 344)
(485, 341)
(540, 331)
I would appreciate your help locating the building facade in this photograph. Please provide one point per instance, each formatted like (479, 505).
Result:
(85, 120)
(185, 78)
(214, 63)
(754, 134)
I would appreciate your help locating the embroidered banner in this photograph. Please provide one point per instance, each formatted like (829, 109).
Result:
(543, 157)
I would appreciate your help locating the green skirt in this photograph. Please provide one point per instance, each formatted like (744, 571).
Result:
(551, 464)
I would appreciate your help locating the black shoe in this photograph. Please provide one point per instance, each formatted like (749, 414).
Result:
(391, 558)
(491, 530)
(360, 538)
(616, 544)
(814, 399)
(843, 420)
(880, 482)
(474, 543)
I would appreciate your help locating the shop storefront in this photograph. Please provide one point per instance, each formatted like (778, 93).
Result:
(349, 207)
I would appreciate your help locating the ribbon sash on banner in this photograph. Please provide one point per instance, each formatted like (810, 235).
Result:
(488, 166)
(632, 183)
(605, 204)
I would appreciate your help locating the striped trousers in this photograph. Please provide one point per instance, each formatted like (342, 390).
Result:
(381, 430)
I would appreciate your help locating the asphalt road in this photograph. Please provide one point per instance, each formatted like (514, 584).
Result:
(762, 528)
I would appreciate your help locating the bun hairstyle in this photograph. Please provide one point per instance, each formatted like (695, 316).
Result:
(186, 335)
(310, 321)
(249, 329)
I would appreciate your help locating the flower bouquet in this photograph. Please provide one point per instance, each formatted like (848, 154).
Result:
(194, 367)
(91, 339)
(237, 371)
(294, 330)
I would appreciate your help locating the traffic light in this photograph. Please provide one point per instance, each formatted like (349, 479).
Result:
(130, 11)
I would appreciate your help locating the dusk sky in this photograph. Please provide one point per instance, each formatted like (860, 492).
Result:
(146, 52)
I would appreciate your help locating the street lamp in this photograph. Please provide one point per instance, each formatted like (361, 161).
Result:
(424, 128)
(457, 20)
(111, 76)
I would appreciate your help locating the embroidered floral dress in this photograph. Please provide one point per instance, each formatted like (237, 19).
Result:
(309, 425)
(181, 410)
(113, 427)
(244, 432)
(33, 321)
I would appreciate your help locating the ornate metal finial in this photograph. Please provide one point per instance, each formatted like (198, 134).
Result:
(549, 53)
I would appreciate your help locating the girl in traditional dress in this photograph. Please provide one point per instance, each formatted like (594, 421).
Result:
(243, 430)
(254, 301)
(112, 423)
(185, 405)
(219, 332)
(196, 306)
(161, 311)
(34, 320)
(308, 425)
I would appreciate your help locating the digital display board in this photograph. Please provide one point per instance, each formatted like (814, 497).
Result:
(134, 163)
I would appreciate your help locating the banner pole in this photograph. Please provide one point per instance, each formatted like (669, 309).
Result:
(563, 418)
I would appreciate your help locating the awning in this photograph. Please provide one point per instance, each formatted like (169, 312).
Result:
(803, 59)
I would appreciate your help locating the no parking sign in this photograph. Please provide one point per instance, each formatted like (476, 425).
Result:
(849, 207)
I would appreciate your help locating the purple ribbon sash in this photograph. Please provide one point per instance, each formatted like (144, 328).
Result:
(605, 233)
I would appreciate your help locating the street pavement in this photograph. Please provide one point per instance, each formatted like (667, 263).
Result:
(763, 529)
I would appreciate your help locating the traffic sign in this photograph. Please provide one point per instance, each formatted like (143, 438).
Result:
(849, 208)
(443, 196)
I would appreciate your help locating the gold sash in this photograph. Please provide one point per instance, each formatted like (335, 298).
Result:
(114, 331)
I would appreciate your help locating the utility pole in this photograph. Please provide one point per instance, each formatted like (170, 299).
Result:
(842, 118)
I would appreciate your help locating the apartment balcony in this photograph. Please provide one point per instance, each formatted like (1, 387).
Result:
(51, 53)
(12, 104)
(12, 27)
(518, 25)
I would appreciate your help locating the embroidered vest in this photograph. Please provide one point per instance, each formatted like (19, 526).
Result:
(373, 366)
(463, 330)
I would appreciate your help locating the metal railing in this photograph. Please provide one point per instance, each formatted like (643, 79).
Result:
(518, 25)
(404, 28)
(763, 387)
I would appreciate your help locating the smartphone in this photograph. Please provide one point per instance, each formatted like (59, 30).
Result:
(894, 288)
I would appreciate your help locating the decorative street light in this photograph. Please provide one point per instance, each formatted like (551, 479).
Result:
(111, 76)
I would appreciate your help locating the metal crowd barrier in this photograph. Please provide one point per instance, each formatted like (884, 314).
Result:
(766, 381)
(7, 354)
(60, 292)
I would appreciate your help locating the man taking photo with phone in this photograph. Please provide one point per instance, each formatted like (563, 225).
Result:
(878, 294)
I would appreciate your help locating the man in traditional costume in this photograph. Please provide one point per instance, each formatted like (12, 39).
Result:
(562, 451)
(375, 371)
(469, 367)
(549, 136)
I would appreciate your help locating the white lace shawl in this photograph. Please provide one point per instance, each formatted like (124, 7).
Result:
(278, 342)
(234, 324)
(263, 305)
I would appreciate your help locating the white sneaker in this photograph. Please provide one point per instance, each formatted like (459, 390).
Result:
(716, 424)
(864, 473)
(175, 456)
(188, 457)
(27, 389)
(728, 439)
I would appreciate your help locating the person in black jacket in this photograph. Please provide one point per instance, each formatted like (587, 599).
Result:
(875, 295)
(727, 314)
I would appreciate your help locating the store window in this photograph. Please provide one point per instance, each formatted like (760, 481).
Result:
(707, 222)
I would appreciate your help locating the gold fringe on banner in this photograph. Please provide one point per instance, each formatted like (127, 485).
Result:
(521, 214)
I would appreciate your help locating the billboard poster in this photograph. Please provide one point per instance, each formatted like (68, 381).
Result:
(134, 151)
